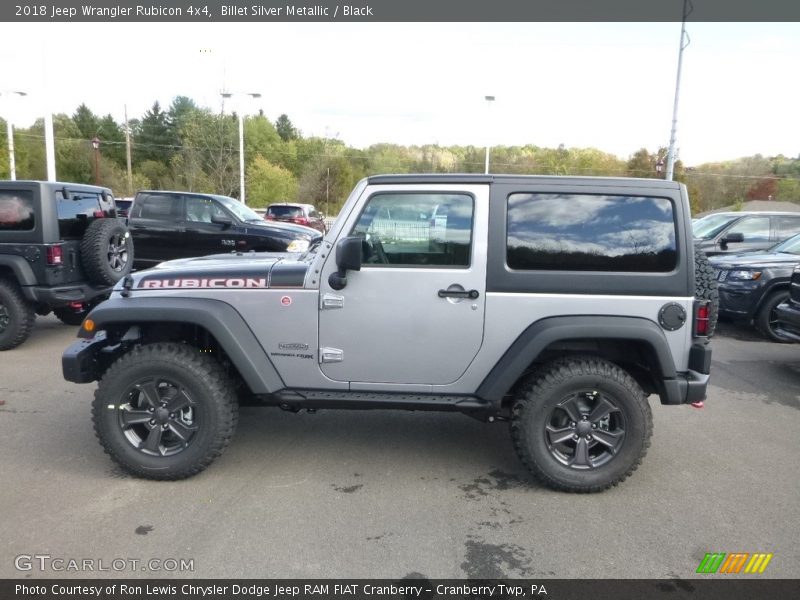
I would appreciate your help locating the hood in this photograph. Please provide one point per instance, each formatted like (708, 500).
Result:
(759, 259)
(251, 270)
(285, 229)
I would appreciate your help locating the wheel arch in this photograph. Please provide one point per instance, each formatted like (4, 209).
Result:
(218, 318)
(774, 286)
(634, 342)
(19, 268)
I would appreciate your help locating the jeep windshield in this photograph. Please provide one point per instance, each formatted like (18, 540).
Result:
(790, 246)
(707, 227)
(241, 211)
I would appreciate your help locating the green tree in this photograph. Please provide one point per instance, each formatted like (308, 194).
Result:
(285, 128)
(154, 138)
(268, 183)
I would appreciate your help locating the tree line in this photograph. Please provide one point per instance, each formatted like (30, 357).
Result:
(188, 147)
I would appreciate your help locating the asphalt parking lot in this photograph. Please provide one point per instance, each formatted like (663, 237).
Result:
(392, 494)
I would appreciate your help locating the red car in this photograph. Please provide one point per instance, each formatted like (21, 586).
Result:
(301, 214)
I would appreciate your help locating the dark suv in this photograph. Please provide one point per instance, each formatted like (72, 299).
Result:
(171, 225)
(736, 232)
(61, 250)
(753, 284)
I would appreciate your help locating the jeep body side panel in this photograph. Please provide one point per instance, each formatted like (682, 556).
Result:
(218, 317)
(545, 332)
(18, 266)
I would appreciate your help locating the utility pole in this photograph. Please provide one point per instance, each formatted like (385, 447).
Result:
(687, 9)
(12, 163)
(128, 152)
(489, 100)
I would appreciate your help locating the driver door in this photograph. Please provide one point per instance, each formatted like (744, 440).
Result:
(414, 312)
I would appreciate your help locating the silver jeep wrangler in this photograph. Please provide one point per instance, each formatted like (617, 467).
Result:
(555, 303)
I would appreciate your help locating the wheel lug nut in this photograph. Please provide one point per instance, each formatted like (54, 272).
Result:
(172, 416)
(152, 421)
(589, 437)
(572, 423)
(164, 426)
(584, 418)
(575, 437)
(594, 425)
(151, 409)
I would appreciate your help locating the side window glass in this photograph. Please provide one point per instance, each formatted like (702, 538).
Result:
(202, 210)
(788, 226)
(430, 230)
(754, 229)
(156, 207)
(16, 210)
(582, 232)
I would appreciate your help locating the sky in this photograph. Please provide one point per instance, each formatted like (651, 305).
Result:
(604, 85)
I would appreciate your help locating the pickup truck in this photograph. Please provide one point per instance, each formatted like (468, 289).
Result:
(171, 225)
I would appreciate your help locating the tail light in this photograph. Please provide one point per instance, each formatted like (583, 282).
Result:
(300, 220)
(701, 314)
(270, 217)
(99, 214)
(55, 255)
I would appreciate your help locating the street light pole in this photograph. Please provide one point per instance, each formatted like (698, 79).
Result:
(240, 112)
(489, 100)
(96, 146)
(12, 165)
(687, 9)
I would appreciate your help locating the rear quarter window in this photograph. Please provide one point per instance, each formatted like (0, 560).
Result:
(583, 232)
(16, 210)
(76, 212)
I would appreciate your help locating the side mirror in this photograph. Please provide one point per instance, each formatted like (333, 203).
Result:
(222, 220)
(348, 258)
(733, 238)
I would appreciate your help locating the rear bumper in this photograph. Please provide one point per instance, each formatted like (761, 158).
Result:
(64, 294)
(690, 386)
(788, 315)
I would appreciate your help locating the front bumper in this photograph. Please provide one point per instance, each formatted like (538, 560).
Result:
(79, 362)
(739, 301)
(788, 315)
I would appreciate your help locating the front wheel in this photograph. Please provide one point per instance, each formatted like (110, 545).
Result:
(165, 411)
(581, 424)
(766, 320)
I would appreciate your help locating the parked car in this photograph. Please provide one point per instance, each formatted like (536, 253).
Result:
(736, 232)
(300, 214)
(787, 314)
(61, 250)
(123, 207)
(172, 225)
(752, 285)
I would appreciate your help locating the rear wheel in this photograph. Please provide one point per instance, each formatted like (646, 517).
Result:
(766, 319)
(165, 411)
(581, 424)
(16, 316)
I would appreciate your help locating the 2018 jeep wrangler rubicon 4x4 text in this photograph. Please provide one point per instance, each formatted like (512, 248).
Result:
(556, 303)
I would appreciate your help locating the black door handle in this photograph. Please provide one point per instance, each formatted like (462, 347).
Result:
(471, 294)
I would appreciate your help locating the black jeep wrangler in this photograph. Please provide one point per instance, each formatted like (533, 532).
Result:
(61, 249)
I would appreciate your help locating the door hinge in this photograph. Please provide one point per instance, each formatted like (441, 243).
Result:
(329, 355)
(332, 301)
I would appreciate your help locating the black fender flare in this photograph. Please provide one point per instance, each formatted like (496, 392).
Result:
(538, 336)
(20, 267)
(219, 318)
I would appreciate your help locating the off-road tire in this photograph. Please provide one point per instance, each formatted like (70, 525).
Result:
(71, 316)
(204, 380)
(103, 247)
(764, 316)
(16, 316)
(547, 389)
(705, 287)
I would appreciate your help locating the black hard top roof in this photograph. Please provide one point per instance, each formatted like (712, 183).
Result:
(518, 179)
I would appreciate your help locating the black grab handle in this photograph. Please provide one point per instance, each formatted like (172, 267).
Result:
(471, 294)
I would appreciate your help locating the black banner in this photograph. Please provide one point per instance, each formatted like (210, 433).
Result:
(716, 588)
(205, 11)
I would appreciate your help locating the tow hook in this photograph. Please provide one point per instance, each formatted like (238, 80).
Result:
(698, 404)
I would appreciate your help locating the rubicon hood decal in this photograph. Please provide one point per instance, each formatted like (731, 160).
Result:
(282, 274)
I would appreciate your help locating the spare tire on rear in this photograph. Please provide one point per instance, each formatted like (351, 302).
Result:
(106, 251)
(705, 287)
